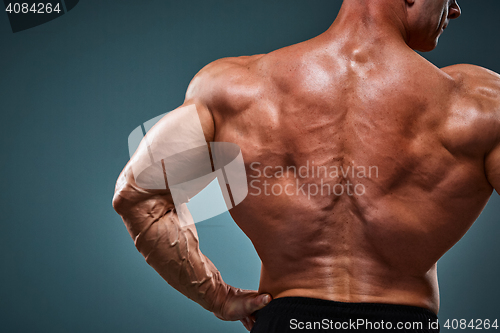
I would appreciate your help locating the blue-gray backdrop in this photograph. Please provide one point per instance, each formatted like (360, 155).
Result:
(71, 90)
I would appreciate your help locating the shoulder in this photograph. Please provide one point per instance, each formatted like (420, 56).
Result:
(224, 79)
(478, 94)
(477, 87)
(476, 82)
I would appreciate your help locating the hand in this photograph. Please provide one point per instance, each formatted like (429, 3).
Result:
(241, 304)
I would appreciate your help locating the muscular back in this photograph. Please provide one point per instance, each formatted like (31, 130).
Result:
(365, 165)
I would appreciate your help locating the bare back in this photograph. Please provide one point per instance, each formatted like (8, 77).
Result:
(365, 166)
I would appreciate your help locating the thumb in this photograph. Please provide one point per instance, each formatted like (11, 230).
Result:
(259, 302)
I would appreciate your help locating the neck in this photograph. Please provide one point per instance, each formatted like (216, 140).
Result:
(371, 21)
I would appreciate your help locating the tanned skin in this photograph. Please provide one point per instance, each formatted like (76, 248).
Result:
(358, 95)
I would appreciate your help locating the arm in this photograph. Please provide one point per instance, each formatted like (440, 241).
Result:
(170, 244)
(492, 160)
(482, 87)
(492, 166)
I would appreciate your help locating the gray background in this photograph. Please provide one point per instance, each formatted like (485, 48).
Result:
(72, 90)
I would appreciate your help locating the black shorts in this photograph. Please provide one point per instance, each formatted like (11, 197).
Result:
(300, 314)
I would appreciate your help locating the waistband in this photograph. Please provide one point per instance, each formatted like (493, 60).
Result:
(320, 308)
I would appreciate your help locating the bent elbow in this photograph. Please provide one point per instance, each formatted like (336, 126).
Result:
(121, 197)
(118, 202)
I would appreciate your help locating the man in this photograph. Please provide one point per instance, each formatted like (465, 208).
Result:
(400, 158)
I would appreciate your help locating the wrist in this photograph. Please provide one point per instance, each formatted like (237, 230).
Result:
(222, 293)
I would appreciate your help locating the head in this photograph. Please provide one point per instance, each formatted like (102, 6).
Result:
(426, 21)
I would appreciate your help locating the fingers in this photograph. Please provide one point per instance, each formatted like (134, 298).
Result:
(241, 307)
(248, 323)
(257, 303)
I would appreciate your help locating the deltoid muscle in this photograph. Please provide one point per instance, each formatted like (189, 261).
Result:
(171, 165)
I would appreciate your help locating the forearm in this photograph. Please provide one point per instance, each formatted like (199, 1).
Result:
(170, 248)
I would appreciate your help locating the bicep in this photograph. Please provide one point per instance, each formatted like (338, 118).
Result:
(162, 173)
(173, 150)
